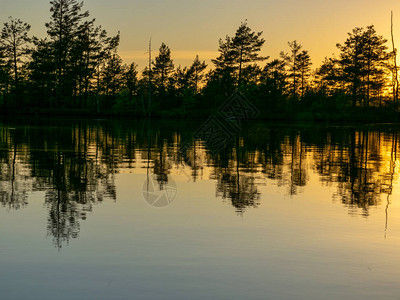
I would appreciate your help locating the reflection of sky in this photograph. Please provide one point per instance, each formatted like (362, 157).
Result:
(193, 27)
(307, 246)
(303, 247)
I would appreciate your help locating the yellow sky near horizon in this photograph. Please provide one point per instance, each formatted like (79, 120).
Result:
(191, 27)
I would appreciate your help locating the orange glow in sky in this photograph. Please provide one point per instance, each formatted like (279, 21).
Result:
(191, 27)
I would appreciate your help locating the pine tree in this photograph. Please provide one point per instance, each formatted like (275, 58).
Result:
(41, 74)
(225, 62)
(361, 60)
(196, 71)
(163, 66)
(329, 77)
(273, 77)
(244, 48)
(291, 59)
(14, 43)
(130, 79)
(304, 67)
(112, 75)
(375, 57)
(4, 79)
(63, 30)
(78, 49)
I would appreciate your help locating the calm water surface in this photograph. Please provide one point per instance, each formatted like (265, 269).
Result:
(144, 210)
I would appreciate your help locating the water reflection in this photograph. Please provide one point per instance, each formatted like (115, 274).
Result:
(75, 164)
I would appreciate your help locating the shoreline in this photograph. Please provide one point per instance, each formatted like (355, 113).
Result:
(361, 117)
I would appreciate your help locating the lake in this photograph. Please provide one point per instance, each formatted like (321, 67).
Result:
(166, 210)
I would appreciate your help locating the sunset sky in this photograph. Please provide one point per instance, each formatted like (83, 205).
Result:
(191, 27)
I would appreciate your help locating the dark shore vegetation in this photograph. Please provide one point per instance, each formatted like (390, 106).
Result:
(76, 71)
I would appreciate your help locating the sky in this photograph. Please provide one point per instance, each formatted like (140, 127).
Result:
(191, 27)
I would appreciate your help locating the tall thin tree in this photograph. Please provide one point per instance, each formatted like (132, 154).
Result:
(14, 42)
(395, 71)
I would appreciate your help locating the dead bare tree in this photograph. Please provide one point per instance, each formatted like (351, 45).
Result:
(394, 69)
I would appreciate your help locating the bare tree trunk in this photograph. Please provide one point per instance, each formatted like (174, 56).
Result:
(149, 102)
(98, 89)
(368, 87)
(15, 63)
(395, 71)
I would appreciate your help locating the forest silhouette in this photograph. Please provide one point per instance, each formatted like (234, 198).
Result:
(76, 70)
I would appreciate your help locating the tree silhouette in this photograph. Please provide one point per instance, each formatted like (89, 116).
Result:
(5, 79)
(14, 45)
(304, 66)
(292, 61)
(273, 84)
(237, 51)
(196, 72)
(130, 77)
(76, 69)
(63, 30)
(361, 60)
(246, 47)
(163, 66)
(329, 77)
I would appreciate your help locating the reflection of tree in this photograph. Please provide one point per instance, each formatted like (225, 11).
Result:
(388, 189)
(357, 166)
(14, 184)
(272, 155)
(77, 184)
(161, 165)
(156, 153)
(75, 165)
(195, 158)
(353, 160)
(298, 174)
(61, 163)
(240, 188)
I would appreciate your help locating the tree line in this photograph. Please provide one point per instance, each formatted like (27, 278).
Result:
(76, 69)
